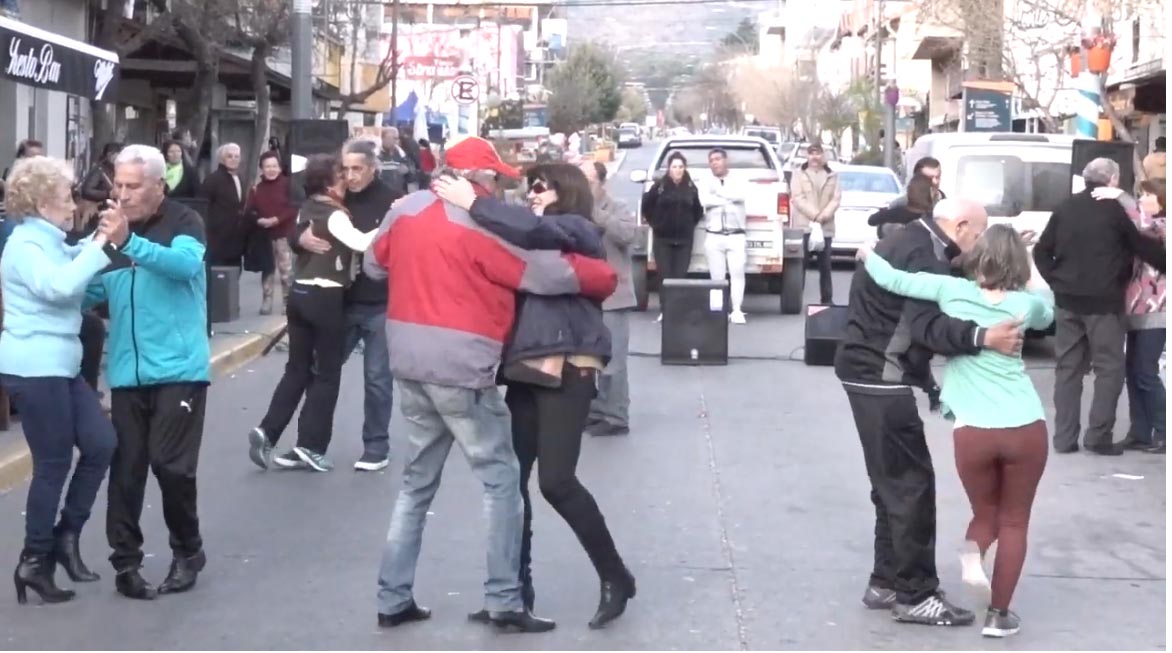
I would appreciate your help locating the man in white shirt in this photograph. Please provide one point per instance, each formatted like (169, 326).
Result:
(723, 198)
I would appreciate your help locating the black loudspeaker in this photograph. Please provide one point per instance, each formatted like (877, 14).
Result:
(695, 322)
(1085, 151)
(306, 138)
(224, 294)
(825, 324)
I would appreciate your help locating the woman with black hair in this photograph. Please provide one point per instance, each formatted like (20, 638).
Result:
(317, 327)
(551, 366)
(99, 181)
(181, 178)
(921, 199)
(672, 209)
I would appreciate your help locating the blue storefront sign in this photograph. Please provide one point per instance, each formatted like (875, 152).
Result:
(986, 111)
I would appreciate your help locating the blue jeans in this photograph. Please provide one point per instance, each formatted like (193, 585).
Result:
(478, 421)
(368, 323)
(1146, 395)
(59, 414)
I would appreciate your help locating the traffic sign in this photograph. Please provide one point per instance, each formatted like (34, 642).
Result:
(465, 90)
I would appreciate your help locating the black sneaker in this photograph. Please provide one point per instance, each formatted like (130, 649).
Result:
(260, 450)
(932, 611)
(290, 460)
(879, 598)
(1109, 449)
(316, 461)
(372, 463)
(1000, 623)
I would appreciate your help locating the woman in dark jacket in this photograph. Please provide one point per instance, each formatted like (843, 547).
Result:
(672, 209)
(99, 181)
(920, 201)
(181, 177)
(551, 366)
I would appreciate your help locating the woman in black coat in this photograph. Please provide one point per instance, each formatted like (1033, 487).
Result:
(551, 364)
(672, 209)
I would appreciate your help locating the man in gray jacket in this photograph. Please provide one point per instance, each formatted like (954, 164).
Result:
(609, 413)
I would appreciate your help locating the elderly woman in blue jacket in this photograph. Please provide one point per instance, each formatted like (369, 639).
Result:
(551, 365)
(44, 282)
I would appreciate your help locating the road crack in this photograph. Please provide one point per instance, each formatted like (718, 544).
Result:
(722, 523)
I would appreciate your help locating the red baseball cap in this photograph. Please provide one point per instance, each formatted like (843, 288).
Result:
(475, 153)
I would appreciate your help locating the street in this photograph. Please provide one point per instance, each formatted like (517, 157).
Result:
(739, 501)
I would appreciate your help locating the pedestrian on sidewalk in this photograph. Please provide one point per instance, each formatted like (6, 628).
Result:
(1147, 334)
(270, 205)
(671, 207)
(816, 196)
(610, 411)
(182, 178)
(368, 199)
(227, 231)
(159, 367)
(723, 198)
(317, 327)
(1000, 434)
(551, 366)
(886, 350)
(452, 294)
(44, 283)
(1086, 253)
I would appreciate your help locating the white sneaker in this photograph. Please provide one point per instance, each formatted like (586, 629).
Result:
(973, 571)
(736, 317)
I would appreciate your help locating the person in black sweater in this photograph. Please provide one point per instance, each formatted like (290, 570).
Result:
(672, 209)
(368, 199)
(920, 200)
(1086, 254)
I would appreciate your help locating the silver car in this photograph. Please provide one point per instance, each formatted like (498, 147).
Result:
(865, 190)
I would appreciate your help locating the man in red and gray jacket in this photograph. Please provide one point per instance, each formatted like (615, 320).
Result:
(451, 302)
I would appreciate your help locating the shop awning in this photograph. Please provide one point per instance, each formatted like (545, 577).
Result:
(33, 56)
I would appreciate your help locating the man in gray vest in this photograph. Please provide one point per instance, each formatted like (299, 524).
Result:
(609, 413)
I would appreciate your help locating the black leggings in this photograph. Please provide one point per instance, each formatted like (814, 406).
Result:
(317, 338)
(672, 258)
(547, 428)
(93, 342)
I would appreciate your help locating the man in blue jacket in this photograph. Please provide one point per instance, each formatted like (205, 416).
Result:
(158, 366)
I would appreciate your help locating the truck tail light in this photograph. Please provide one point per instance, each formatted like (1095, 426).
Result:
(783, 206)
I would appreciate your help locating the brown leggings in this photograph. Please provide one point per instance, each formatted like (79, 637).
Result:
(1000, 470)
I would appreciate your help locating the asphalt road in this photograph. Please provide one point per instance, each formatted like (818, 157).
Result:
(739, 501)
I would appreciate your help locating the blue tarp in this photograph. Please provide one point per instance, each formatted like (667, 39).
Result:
(404, 112)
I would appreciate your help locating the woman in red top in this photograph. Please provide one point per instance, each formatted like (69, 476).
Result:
(269, 202)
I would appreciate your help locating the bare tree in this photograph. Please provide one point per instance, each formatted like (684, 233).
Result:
(836, 113)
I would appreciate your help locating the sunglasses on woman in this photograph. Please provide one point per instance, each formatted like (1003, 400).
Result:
(538, 187)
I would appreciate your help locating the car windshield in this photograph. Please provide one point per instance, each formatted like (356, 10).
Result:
(1008, 185)
(744, 157)
(868, 182)
(767, 135)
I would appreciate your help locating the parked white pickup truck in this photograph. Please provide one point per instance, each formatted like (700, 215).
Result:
(775, 251)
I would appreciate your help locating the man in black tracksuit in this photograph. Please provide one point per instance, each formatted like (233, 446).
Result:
(886, 349)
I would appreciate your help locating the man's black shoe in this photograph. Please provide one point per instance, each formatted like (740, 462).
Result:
(413, 612)
(521, 621)
(1131, 444)
(184, 572)
(1071, 449)
(132, 585)
(1161, 448)
(1106, 449)
(602, 429)
(878, 598)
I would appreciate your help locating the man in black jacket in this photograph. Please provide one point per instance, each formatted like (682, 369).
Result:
(368, 199)
(887, 345)
(1086, 254)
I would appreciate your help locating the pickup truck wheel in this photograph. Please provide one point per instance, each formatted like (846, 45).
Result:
(793, 278)
(641, 282)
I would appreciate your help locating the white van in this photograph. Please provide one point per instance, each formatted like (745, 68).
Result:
(1020, 178)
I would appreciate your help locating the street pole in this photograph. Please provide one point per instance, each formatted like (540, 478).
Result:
(302, 65)
(879, 62)
(394, 60)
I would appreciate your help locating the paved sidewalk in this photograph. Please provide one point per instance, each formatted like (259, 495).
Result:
(233, 344)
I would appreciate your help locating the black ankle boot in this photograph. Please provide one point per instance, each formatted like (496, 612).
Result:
(35, 572)
(183, 574)
(68, 554)
(613, 600)
(132, 585)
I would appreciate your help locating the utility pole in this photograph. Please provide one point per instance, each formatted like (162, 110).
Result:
(302, 65)
(394, 59)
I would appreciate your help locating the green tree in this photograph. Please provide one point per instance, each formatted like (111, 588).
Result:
(584, 89)
(634, 108)
(743, 39)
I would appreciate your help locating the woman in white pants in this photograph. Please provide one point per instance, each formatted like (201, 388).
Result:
(723, 198)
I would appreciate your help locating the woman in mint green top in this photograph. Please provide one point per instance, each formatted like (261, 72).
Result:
(44, 282)
(1000, 435)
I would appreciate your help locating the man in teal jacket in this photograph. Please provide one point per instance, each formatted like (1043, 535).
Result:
(158, 366)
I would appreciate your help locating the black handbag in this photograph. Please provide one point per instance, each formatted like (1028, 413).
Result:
(258, 248)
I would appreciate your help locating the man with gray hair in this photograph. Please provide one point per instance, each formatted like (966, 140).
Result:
(225, 194)
(396, 165)
(368, 199)
(158, 366)
(1086, 254)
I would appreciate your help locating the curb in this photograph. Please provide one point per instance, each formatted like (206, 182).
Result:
(16, 464)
